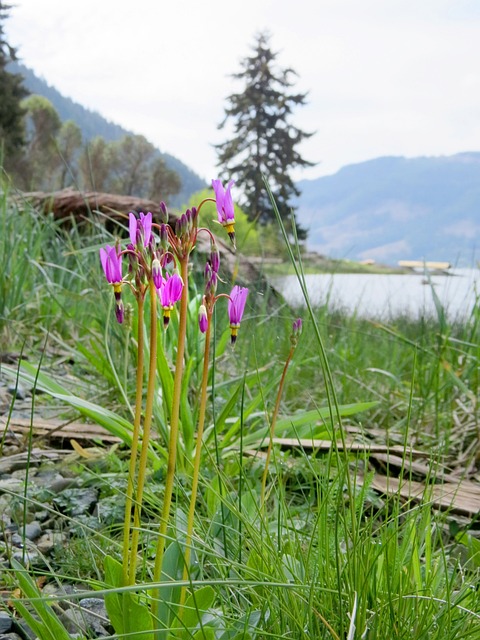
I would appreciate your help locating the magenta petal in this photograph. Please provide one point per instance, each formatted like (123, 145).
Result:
(115, 264)
(103, 260)
(228, 207)
(132, 227)
(219, 198)
(236, 304)
(175, 288)
(147, 227)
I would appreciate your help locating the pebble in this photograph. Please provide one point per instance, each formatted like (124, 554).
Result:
(33, 530)
(31, 557)
(17, 391)
(54, 589)
(76, 620)
(51, 539)
(14, 485)
(60, 484)
(5, 622)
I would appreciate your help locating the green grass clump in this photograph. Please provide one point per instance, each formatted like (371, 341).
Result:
(330, 557)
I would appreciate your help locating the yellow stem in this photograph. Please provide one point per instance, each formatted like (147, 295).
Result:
(135, 437)
(152, 370)
(272, 429)
(196, 464)
(174, 422)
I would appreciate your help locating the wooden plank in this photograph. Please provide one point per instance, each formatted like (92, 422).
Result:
(31, 458)
(461, 497)
(354, 447)
(55, 429)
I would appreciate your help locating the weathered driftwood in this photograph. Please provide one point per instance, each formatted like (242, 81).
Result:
(68, 202)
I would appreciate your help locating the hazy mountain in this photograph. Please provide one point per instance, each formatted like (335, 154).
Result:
(93, 124)
(395, 208)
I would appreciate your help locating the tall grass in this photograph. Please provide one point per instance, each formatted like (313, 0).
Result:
(330, 558)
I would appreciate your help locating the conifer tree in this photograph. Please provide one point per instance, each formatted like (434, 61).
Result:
(12, 93)
(264, 140)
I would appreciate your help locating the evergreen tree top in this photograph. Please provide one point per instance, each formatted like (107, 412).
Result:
(264, 140)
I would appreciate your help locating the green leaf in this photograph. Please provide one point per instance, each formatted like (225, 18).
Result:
(49, 626)
(113, 601)
(196, 606)
(473, 546)
(304, 425)
(172, 569)
(206, 633)
(128, 615)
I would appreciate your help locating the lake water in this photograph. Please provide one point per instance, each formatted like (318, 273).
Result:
(386, 296)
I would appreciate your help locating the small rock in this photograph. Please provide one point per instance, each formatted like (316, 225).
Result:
(31, 557)
(10, 636)
(11, 484)
(51, 539)
(5, 622)
(54, 589)
(17, 540)
(60, 484)
(17, 391)
(78, 621)
(24, 630)
(33, 530)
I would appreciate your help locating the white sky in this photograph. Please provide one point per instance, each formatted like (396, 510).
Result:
(385, 77)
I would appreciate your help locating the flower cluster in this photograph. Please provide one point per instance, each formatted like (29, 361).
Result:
(149, 260)
(155, 252)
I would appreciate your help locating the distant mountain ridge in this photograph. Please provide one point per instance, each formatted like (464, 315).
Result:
(394, 208)
(93, 124)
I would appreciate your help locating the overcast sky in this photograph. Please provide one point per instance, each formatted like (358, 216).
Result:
(385, 77)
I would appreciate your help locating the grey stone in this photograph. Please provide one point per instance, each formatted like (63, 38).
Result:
(60, 483)
(11, 484)
(33, 530)
(54, 589)
(17, 540)
(5, 622)
(82, 621)
(10, 636)
(51, 539)
(31, 557)
(17, 390)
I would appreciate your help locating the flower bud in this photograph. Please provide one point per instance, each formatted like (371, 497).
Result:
(214, 257)
(157, 273)
(296, 331)
(163, 212)
(202, 318)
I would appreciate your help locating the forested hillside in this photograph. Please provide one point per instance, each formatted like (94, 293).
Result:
(92, 124)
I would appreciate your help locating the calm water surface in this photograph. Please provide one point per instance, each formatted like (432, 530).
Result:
(384, 296)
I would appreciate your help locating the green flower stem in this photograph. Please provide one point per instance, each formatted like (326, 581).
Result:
(174, 423)
(196, 464)
(152, 371)
(272, 428)
(135, 437)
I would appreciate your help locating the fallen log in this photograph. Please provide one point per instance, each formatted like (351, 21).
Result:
(68, 202)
